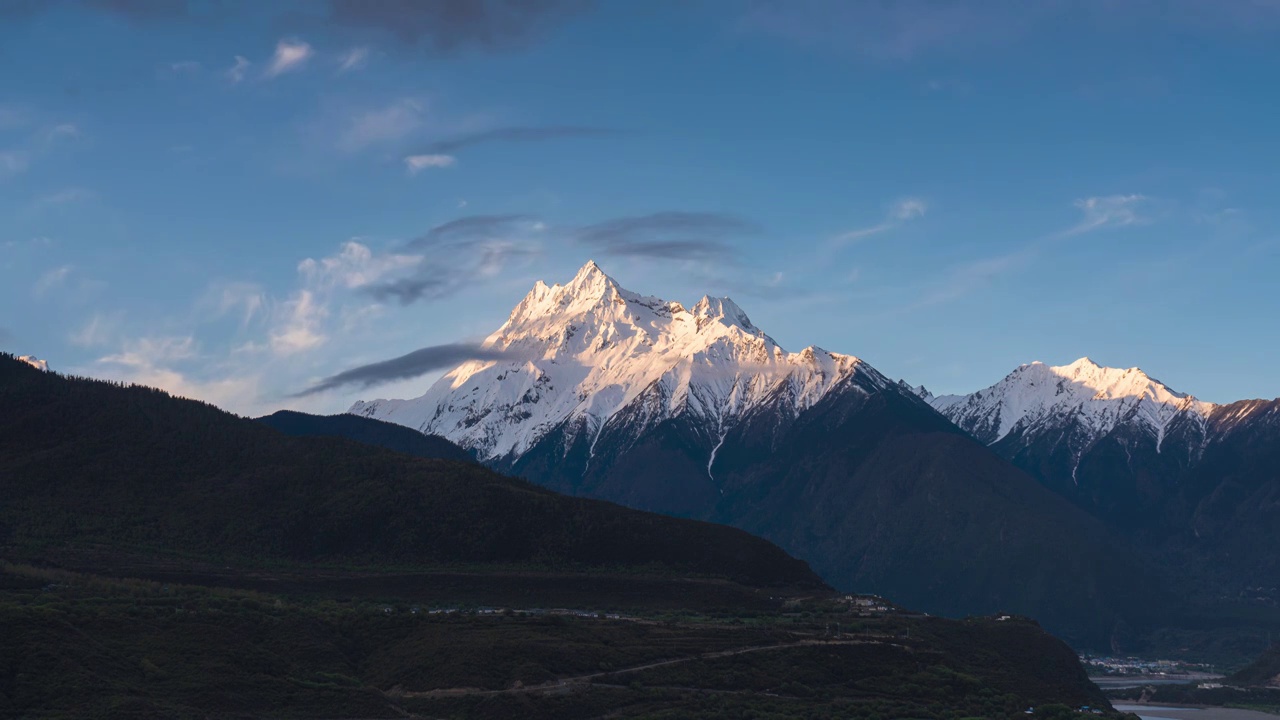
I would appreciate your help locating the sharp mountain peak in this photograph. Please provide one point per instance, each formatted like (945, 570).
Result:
(587, 350)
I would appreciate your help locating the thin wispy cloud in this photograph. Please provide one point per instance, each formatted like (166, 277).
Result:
(14, 116)
(301, 325)
(969, 277)
(677, 235)
(1097, 213)
(185, 66)
(391, 123)
(61, 131)
(99, 330)
(13, 162)
(243, 299)
(474, 229)
(164, 362)
(36, 142)
(355, 266)
(147, 351)
(905, 31)
(1107, 212)
(238, 70)
(51, 281)
(455, 256)
(415, 164)
(290, 55)
(521, 134)
(64, 197)
(406, 367)
(353, 59)
(441, 154)
(436, 280)
(903, 211)
(909, 208)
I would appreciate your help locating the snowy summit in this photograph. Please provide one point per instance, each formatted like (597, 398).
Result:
(34, 362)
(584, 352)
(1037, 397)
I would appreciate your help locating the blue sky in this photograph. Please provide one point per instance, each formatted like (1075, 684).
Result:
(231, 200)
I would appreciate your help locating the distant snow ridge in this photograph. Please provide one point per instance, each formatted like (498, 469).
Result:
(588, 350)
(1036, 398)
(35, 362)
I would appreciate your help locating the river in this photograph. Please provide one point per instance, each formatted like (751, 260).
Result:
(1156, 712)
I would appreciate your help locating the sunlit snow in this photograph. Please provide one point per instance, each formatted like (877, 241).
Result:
(586, 350)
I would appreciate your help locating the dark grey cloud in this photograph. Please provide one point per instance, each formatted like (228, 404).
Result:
(514, 134)
(462, 252)
(429, 284)
(449, 26)
(144, 9)
(439, 27)
(13, 10)
(470, 230)
(674, 235)
(459, 254)
(906, 30)
(132, 10)
(414, 364)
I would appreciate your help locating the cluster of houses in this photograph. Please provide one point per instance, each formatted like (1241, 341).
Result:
(867, 604)
(1139, 666)
(389, 610)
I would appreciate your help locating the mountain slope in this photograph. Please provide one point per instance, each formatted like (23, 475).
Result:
(370, 432)
(164, 559)
(607, 393)
(1108, 439)
(586, 352)
(1265, 671)
(1196, 484)
(140, 469)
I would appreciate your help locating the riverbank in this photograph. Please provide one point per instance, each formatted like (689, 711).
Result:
(1117, 682)
(1188, 712)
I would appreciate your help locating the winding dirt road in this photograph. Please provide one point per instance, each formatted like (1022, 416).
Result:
(565, 684)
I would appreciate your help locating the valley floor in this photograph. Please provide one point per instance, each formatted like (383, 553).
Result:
(1158, 712)
(80, 644)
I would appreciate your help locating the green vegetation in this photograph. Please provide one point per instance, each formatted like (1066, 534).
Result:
(85, 461)
(80, 645)
(163, 559)
(368, 431)
(1261, 672)
(1254, 687)
(1245, 698)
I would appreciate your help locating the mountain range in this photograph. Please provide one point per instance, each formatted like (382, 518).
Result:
(1194, 483)
(161, 558)
(363, 430)
(591, 389)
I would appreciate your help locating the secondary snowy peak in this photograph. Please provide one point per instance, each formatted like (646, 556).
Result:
(1097, 399)
(584, 351)
(34, 362)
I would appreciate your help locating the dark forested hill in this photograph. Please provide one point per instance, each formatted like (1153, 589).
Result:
(160, 558)
(368, 431)
(1263, 671)
(90, 461)
(880, 494)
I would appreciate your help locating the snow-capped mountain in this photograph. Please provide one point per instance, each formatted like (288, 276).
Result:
(1139, 455)
(34, 362)
(579, 355)
(1089, 399)
(590, 389)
